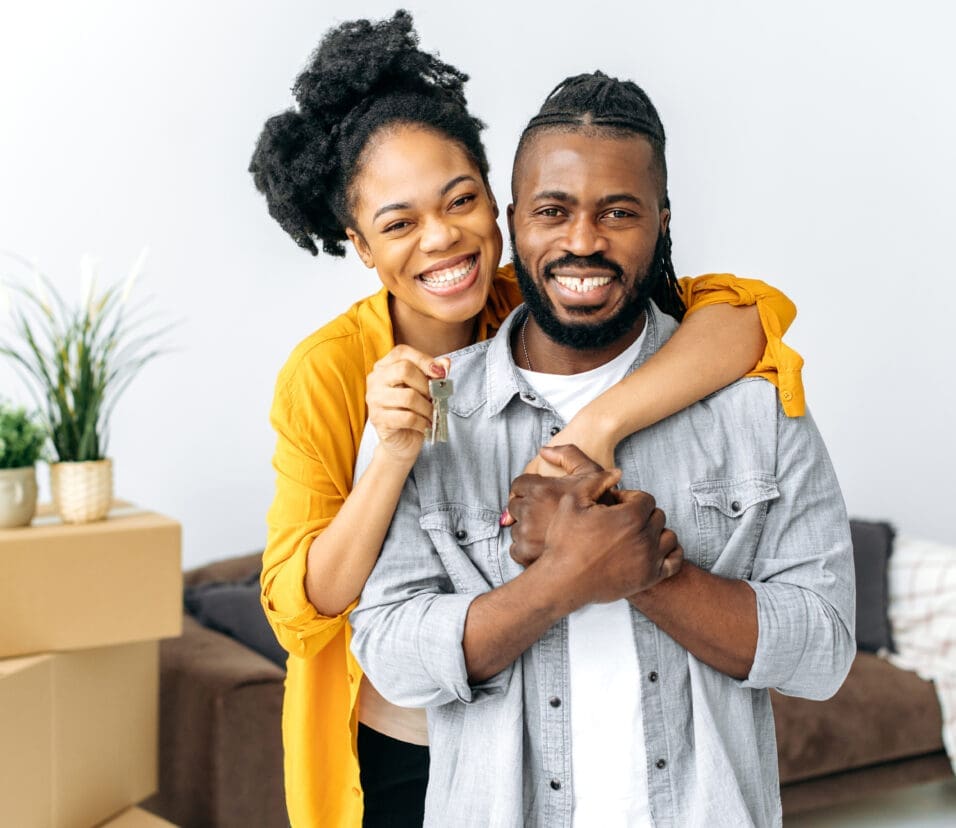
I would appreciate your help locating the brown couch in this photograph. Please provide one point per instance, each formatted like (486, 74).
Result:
(221, 752)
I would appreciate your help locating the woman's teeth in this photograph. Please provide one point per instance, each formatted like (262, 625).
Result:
(449, 276)
(583, 285)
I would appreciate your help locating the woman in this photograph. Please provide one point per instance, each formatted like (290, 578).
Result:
(381, 152)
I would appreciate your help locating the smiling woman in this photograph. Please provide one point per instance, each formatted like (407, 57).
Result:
(446, 208)
(381, 152)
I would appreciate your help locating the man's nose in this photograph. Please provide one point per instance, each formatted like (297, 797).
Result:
(438, 234)
(584, 237)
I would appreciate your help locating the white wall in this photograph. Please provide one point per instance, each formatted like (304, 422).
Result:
(811, 146)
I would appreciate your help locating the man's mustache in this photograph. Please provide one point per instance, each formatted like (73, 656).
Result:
(594, 260)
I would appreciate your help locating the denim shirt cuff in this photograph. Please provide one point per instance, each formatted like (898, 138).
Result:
(781, 635)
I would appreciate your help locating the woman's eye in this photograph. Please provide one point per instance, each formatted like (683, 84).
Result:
(395, 226)
(461, 201)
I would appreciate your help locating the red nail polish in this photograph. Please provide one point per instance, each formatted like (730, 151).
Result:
(438, 370)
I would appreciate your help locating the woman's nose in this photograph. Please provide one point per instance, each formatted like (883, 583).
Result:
(439, 234)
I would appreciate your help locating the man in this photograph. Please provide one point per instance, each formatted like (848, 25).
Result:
(607, 671)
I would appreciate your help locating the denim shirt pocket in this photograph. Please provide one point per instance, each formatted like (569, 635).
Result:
(730, 516)
(466, 540)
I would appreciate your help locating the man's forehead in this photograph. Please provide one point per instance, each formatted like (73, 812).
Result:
(582, 161)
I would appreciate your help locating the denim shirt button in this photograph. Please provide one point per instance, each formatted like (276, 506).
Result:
(555, 430)
(661, 764)
(652, 676)
(554, 701)
(555, 785)
(461, 534)
(735, 506)
(529, 398)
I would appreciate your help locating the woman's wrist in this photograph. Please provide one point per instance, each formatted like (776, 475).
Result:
(603, 424)
(392, 461)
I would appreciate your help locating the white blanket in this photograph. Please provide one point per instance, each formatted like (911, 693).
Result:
(922, 610)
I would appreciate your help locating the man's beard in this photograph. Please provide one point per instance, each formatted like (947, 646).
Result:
(584, 336)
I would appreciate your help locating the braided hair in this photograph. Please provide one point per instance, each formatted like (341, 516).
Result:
(607, 106)
(363, 78)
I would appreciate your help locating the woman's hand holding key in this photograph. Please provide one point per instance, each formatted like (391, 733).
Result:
(399, 406)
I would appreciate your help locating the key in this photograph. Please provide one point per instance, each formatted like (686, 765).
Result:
(440, 390)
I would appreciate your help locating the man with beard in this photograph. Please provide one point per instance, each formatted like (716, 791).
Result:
(596, 668)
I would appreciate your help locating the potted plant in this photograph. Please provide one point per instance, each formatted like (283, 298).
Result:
(78, 360)
(21, 444)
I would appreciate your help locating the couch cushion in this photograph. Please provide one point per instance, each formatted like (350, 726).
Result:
(881, 713)
(233, 609)
(872, 546)
(238, 568)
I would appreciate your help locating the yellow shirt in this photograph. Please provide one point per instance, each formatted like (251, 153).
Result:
(319, 414)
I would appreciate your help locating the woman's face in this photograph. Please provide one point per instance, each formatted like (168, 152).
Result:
(426, 222)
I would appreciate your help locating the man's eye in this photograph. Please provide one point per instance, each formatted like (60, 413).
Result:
(619, 214)
(549, 212)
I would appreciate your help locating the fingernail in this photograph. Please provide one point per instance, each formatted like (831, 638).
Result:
(437, 370)
(505, 517)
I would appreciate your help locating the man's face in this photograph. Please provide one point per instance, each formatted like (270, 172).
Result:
(585, 227)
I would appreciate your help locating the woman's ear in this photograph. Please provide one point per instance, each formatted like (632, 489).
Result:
(361, 246)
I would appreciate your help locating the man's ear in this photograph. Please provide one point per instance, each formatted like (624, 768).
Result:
(665, 220)
(361, 246)
(511, 220)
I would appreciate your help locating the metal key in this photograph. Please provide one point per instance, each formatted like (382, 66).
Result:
(440, 390)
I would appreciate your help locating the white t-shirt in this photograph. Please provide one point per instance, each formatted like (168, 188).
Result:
(608, 758)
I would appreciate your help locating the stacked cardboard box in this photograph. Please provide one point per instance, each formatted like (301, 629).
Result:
(81, 611)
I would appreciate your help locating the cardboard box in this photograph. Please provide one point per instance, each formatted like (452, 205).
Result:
(67, 587)
(137, 818)
(79, 735)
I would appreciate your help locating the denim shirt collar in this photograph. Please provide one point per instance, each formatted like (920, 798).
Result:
(503, 380)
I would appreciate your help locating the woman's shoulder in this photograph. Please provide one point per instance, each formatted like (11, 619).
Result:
(504, 296)
(353, 341)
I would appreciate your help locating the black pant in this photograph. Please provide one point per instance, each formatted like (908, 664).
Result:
(394, 775)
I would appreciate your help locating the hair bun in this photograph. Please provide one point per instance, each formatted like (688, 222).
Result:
(359, 60)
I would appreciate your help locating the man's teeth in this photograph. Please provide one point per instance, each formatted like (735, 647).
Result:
(583, 285)
(444, 278)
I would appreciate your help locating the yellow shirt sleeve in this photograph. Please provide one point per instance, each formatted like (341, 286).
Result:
(314, 417)
(780, 364)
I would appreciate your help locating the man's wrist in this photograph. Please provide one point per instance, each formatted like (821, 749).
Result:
(547, 592)
(657, 593)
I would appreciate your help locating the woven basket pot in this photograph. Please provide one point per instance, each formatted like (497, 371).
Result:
(82, 492)
(18, 496)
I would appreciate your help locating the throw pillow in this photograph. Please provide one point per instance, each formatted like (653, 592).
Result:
(233, 609)
(872, 546)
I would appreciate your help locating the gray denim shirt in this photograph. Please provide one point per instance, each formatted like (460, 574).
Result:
(751, 494)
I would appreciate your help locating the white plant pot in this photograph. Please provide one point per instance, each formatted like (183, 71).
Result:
(82, 492)
(18, 496)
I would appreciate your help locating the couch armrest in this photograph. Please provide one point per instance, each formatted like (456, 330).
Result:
(220, 741)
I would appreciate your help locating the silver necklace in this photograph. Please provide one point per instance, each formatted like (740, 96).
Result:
(524, 344)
